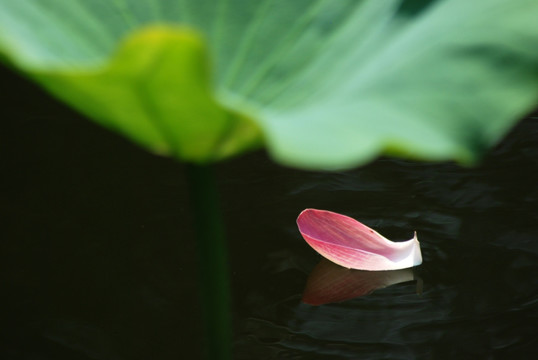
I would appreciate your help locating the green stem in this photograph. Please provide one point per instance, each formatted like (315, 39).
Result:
(212, 260)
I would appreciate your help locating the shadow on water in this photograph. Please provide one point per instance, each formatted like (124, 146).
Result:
(97, 254)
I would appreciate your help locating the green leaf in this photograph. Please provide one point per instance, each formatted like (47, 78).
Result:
(323, 84)
(156, 90)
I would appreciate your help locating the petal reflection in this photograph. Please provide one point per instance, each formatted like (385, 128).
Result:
(329, 283)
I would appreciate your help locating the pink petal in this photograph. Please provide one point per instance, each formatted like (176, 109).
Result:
(329, 283)
(348, 243)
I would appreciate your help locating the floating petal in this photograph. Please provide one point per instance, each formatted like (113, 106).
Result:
(348, 243)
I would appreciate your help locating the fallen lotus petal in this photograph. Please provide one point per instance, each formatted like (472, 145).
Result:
(330, 283)
(348, 243)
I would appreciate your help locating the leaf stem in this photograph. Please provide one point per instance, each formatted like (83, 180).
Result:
(212, 260)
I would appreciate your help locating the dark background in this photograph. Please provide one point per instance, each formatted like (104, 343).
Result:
(97, 251)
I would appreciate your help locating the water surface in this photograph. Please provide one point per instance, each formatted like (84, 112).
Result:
(97, 253)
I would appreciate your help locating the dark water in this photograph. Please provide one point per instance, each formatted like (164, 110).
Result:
(97, 254)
